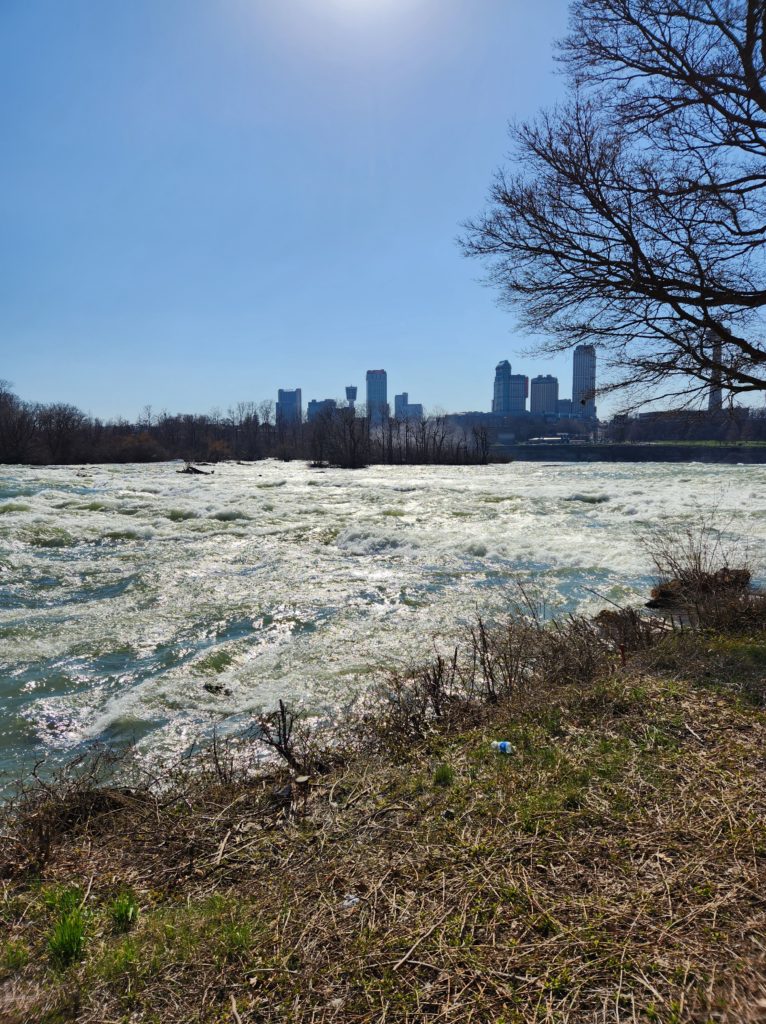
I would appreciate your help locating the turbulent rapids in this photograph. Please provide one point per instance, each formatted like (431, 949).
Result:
(142, 605)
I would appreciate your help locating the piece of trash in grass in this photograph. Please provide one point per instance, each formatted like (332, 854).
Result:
(502, 746)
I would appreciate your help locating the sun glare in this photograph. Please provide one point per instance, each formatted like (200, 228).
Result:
(367, 9)
(345, 31)
(361, 5)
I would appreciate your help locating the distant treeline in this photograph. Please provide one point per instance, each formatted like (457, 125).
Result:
(61, 434)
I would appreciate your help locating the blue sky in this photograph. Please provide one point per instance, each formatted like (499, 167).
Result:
(202, 201)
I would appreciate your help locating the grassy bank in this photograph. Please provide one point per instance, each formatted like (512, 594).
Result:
(611, 868)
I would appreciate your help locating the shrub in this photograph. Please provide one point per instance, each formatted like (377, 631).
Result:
(409, 705)
(42, 811)
(62, 900)
(691, 554)
(67, 939)
(123, 911)
(704, 580)
(285, 734)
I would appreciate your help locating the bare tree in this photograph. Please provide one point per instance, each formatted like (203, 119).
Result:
(59, 425)
(480, 438)
(349, 439)
(17, 426)
(634, 214)
(266, 412)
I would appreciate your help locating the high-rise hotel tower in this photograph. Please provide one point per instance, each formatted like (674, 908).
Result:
(501, 396)
(377, 395)
(584, 382)
(545, 395)
(289, 407)
(511, 390)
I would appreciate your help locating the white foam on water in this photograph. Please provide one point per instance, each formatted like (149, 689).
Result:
(127, 589)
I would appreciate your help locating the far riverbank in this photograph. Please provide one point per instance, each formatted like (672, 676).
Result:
(712, 454)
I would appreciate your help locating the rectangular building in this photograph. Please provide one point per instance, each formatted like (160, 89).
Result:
(518, 390)
(316, 408)
(544, 395)
(584, 382)
(406, 410)
(377, 395)
(501, 397)
(289, 407)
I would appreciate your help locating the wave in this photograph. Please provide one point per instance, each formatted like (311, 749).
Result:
(179, 515)
(361, 541)
(589, 499)
(47, 537)
(117, 535)
(228, 515)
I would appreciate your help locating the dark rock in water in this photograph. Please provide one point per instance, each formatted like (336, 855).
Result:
(218, 688)
(188, 468)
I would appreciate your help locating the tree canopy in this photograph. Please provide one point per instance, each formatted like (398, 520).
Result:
(633, 214)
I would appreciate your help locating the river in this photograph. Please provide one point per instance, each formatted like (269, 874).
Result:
(138, 604)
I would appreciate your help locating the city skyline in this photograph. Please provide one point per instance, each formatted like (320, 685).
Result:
(510, 394)
(511, 390)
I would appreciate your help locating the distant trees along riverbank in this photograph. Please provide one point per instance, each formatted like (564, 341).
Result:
(62, 434)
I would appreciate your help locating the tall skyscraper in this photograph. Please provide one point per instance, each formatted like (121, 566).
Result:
(377, 395)
(715, 394)
(289, 407)
(518, 391)
(584, 382)
(511, 390)
(544, 395)
(501, 398)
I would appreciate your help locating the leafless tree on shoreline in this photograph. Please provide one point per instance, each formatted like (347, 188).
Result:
(634, 214)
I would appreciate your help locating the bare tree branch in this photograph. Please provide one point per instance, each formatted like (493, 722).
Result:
(634, 214)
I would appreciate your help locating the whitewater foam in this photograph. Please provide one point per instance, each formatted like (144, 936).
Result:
(127, 589)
